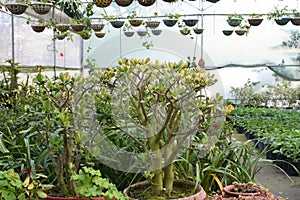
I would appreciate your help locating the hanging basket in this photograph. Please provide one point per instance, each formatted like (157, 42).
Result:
(135, 22)
(282, 21)
(77, 27)
(227, 32)
(170, 22)
(240, 32)
(156, 31)
(190, 22)
(123, 3)
(295, 21)
(16, 8)
(62, 27)
(213, 1)
(102, 3)
(99, 34)
(152, 24)
(185, 31)
(142, 33)
(234, 22)
(255, 22)
(128, 33)
(198, 30)
(146, 2)
(60, 36)
(117, 23)
(169, 1)
(38, 28)
(41, 8)
(97, 27)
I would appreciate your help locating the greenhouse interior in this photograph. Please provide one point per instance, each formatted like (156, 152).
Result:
(98, 101)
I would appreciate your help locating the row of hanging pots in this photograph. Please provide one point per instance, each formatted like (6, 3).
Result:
(257, 21)
(19, 8)
(239, 32)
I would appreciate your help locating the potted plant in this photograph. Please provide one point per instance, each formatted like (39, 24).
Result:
(127, 29)
(133, 20)
(38, 26)
(171, 20)
(17, 7)
(255, 19)
(148, 104)
(79, 24)
(235, 19)
(190, 22)
(102, 3)
(295, 19)
(152, 23)
(41, 7)
(281, 16)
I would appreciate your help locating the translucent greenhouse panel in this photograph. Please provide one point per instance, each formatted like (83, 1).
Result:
(32, 49)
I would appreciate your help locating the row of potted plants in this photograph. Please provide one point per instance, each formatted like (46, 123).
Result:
(275, 130)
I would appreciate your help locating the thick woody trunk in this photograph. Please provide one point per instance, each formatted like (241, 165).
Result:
(156, 181)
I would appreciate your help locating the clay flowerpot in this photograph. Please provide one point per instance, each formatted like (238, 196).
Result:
(73, 198)
(146, 2)
(198, 30)
(16, 8)
(227, 32)
(62, 27)
(282, 21)
(230, 192)
(123, 3)
(102, 3)
(170, 22)
(129, 33)
(152, 24)
(255, 21)
(38, 27)
(117, 23)
(97, 27)
(77, 27)
(190, 22)
(234, 22)
(99, 34)
(135, 22)
(141, 186)
(295, 21)
(41, 8)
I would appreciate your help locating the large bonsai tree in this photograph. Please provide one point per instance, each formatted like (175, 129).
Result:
(160, 107)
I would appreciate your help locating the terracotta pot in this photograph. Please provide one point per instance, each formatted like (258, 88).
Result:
(123, 3)
(230, 193)
(198, 196)
(74, 198)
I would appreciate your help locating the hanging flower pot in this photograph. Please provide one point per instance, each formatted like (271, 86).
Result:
(240, 32)
(234, 22)
(117, 23)
(146, 2)
(135, 22)
(85, 35)
(282, 21)
(170, 22)
(152, 24)
(185, 31)
(41, 8)
(169, 1)
(227, 32)
(142, 33)
(99, 34)
(156, 31)
(128, 33)
(77, 27)
(190, 22)
(213, 1)
(38, 27)
(198, 30)
(97, 27)
(102, 3)
(60, 36)
(16, 8)
(255, 21)
(295, 21)
(123, 3)
(62, 27)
